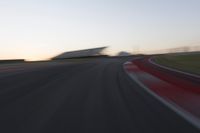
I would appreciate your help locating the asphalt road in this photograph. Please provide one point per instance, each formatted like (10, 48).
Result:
(85, 97)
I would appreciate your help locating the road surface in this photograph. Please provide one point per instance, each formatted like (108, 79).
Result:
(85, 97)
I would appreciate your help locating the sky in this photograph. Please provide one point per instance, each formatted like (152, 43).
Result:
(40, 29)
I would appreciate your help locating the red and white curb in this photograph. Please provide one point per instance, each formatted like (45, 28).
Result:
(134, 72)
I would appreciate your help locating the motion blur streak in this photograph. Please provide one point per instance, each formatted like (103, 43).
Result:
(84, 97)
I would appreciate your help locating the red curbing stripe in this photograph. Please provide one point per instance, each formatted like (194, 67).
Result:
(181, 99)
(184, 82)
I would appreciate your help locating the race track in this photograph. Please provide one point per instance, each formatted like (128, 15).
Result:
(88, 97)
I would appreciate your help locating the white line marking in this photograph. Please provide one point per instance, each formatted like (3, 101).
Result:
(171, 69)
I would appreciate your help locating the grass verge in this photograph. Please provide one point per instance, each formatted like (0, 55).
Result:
(184, 62)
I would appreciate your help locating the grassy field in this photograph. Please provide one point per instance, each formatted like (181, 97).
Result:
(188, 62)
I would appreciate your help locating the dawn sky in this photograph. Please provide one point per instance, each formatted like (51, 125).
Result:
(39, 29)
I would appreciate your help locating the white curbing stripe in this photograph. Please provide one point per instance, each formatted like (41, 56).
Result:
(177, 109)
(171, 69)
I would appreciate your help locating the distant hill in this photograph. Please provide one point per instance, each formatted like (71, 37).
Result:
(12, 61)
